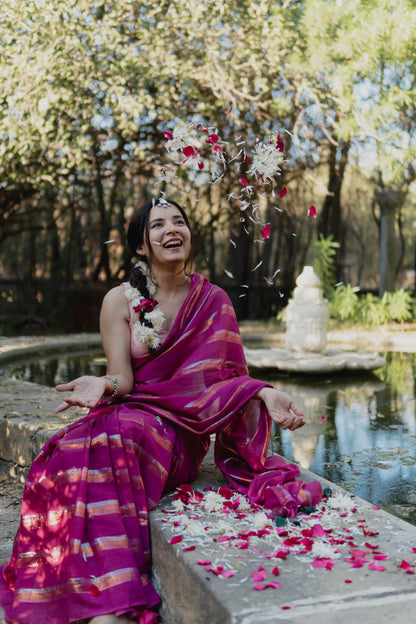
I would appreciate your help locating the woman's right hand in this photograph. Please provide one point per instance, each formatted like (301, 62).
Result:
(85, 391)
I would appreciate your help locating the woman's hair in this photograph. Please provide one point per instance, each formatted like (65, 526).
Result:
(138, 234)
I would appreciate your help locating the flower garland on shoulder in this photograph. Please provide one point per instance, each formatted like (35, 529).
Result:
(151, 318)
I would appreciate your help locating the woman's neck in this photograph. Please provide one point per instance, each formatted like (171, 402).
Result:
(171, 281)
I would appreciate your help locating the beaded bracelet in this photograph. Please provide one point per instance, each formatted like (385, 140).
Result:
(116, 386)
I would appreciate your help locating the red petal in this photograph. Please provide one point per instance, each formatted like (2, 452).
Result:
(283, 192)
(188, 151)
(217, 148)
(168, 135)
(312, 211)
(94, 591)
(212, 138)
(200, 165)
(405, 565)
(275, 571)
(176, 539)
(203, 562)
(243, 182)
(188, 548)
(348, 581)
(265, 232)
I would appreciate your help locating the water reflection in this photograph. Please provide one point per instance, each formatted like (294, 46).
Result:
(360, 431)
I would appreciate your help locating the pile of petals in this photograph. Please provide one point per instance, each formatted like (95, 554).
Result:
(223, 525)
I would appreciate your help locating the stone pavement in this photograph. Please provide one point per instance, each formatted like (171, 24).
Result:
(205, 575)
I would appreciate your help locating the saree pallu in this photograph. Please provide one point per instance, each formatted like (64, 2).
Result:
(82, 548)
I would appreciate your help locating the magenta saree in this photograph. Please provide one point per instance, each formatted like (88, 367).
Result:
(82, 548)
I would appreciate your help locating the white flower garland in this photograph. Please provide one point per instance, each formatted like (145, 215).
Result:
(148, 335)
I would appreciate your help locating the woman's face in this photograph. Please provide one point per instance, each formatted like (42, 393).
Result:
(169, 237)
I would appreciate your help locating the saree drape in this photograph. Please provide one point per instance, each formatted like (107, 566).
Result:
(82, 547)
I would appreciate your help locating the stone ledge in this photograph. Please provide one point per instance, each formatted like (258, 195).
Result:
(190, 595)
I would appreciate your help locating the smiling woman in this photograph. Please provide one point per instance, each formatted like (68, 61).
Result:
(176, 375)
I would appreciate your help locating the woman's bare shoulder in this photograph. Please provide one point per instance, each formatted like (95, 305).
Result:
(115, 301)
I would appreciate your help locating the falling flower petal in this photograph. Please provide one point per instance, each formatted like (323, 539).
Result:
(212, 138)
(312, 211)
(188, 151)
(283, 192)
(265, 232)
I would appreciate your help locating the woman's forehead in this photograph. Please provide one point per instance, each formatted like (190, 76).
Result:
(164, 211)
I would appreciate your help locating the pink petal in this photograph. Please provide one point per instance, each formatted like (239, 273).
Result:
(283, 192)
(380, 557)
(318, 531)
(243, 545)
(188, 549)
(376, 566)
(265, 232)
(275, 571)
(168, 135)
(405, 565)
(323, 563)
(203, 562)
(200, 165)
(348, 580)
(260, 575)
(176, 539)
(257, 550)
(311, 211)
(243, 182)
(228, 573)
(259, 587)
(217, 148)
(286, 607)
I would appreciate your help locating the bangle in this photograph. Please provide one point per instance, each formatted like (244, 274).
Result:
(115, 384)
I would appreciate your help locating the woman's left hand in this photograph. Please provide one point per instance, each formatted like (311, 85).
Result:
(282, 408)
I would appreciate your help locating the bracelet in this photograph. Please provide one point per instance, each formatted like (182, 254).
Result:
(116, 386)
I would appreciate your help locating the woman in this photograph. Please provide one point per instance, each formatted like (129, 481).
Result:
(176, 374)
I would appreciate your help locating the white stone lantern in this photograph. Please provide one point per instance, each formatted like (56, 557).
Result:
(307, 314)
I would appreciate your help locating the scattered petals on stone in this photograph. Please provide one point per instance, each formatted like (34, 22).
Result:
(405, 565)
(260, 575)
(261, 586)
(323, 563)
(176, 539)
(376, 566)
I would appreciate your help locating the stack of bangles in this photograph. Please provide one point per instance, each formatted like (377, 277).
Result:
(114, 381)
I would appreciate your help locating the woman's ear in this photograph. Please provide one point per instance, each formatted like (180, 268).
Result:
(141, 250)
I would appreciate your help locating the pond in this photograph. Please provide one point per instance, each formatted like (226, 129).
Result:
(360, 431)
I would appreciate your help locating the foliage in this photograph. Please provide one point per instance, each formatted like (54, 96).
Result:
(398, 305)
(344, 303)
(325, 250)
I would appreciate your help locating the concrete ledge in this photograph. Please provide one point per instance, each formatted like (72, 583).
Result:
(191, 595)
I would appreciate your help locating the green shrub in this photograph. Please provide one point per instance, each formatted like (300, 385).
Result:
(344, 303)
(398, 305)
(325, 250)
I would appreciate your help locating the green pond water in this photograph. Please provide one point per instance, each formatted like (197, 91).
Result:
(360, 431)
